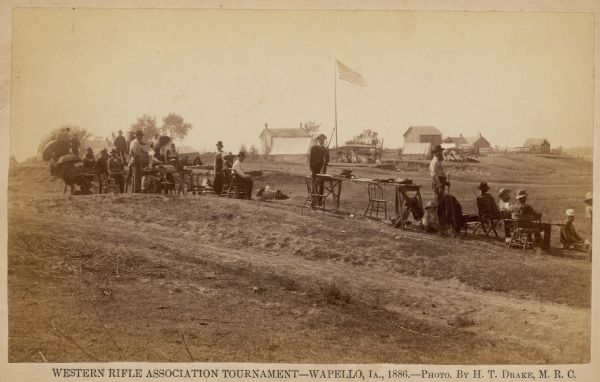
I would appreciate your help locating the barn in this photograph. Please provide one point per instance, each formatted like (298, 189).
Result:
(423, 134)
(284, 141)
(478, 143)
(537, 145)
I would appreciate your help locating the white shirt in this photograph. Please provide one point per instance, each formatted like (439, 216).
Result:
(237, 167)
(437, 170)
(505, 206)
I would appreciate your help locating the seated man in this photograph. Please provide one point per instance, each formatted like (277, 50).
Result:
(506, 208)
(526, 213)
(102, 168)
(430, 219)
(488, 199)
(116, 169)
(568, 236)
(89, 160)
(242, 176)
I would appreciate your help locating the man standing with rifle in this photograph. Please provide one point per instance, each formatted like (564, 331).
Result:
(318, 160)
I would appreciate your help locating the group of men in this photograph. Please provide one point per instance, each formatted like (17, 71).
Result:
(505, 210)
(224, 162)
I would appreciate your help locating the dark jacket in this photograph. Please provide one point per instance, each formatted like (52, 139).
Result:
(568, 235)
(318, 159)
(121, 144)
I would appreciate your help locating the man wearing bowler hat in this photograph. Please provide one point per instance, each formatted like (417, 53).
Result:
(218, 181)
(318, 160)
(438, 177)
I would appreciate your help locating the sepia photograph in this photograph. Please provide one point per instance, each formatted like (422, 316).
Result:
(299, 186)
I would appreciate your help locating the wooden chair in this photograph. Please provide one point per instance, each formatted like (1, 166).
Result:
(524, 233)
(489, 218)
(376, 201)
(237, 188)
(225, 191)
(313, 200)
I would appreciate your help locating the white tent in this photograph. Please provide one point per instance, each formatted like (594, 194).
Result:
(417, 150)
(287, 146)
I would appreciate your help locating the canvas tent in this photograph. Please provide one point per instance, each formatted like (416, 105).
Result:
(416, 150)
(284, 141)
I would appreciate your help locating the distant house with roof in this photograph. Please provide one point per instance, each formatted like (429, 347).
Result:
(284, 141)
(475, 143)
(460, 140)
(423, 134)
(537, 145)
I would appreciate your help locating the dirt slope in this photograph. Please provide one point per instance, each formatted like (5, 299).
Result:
(157, 278)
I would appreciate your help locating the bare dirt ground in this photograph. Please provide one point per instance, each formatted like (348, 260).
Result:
(176, 278)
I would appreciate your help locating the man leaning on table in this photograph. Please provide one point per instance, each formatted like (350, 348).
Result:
(318, 160)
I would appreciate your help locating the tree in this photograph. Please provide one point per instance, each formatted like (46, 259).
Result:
(147, 124)
(367, 137)
(82, 134)
(253, 151)
(175, 127)
(311, 127)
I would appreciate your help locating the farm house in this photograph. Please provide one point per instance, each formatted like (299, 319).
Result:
(537, 145)
(284, 141)
(423, 134)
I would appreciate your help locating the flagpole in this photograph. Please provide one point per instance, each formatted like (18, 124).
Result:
(335, 107)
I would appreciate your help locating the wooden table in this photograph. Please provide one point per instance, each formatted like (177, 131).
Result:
(333, 185)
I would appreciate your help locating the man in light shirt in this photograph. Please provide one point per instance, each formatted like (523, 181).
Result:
(243, 177)
(504, 204)
(438, 177)
(138, 150)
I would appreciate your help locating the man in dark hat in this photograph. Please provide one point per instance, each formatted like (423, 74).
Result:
(485, 197)
(318, 159)
(526, 213)
(121, 146)
(218, 180)
(89, 160)
(245, 178)
(438, 176)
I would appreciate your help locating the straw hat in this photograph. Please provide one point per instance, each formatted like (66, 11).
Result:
(588, 196)
(570, 212)
(503, 191)
(430, 205)
(521, 194)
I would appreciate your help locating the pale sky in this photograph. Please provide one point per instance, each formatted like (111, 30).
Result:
(510, 76)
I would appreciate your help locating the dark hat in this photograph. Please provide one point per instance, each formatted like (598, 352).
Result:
(437, 148)
(120, 131)
(219, 144)
(113, 150)
(139, 132)
(89, 149)
(483, 186)
(229, 156)
(321, 136)
(242, 154)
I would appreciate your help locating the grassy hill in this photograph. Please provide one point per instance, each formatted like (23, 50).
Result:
(174, 278)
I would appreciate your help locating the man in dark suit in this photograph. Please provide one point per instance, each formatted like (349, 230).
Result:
(318, 160)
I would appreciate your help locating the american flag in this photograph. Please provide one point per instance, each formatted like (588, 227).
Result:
(350, 75)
